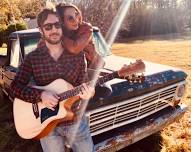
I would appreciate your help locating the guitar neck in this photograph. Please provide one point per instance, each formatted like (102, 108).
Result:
(77, 90)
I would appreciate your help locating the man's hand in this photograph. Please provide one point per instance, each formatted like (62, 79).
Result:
(49, 99)
(87, 92)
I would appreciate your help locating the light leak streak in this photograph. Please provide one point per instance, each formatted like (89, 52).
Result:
(111, 35)
(116, 24)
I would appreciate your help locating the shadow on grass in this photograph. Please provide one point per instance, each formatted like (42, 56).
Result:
(149, 144)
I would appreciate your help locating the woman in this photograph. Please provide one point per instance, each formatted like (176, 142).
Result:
(78, 34)
(78, 37)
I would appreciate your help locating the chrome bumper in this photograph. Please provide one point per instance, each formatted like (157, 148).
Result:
(145, 128)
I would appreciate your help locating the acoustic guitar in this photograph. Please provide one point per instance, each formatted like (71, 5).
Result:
(29, 125)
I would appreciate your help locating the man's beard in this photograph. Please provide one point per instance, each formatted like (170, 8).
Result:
(49, 40)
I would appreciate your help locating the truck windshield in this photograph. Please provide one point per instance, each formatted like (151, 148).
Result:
(100, 44)
(30, 45)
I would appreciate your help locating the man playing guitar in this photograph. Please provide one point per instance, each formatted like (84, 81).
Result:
(44, 65)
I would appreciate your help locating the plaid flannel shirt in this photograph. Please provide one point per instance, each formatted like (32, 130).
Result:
(40, 67)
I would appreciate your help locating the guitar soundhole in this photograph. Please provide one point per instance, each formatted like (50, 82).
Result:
(76, 106)
(47, 113)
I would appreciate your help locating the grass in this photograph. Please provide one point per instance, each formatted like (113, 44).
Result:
(173, 51)
(3, 50)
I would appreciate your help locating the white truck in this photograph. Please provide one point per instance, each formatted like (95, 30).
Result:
(132, 112)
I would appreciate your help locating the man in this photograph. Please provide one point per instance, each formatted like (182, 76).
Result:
(46, 64)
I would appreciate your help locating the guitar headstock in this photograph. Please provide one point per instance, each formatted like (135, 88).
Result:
(133, 71)
(135, 78)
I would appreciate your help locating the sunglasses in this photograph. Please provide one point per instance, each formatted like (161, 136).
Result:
(72, 19)
(49, 26)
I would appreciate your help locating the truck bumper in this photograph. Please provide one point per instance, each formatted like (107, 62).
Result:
(121, 137)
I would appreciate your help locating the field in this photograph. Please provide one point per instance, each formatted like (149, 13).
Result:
(174, 51)
(3, 50)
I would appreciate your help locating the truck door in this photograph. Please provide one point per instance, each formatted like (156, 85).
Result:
(15, 60)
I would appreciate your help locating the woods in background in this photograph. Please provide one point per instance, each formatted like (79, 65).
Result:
(145, 17)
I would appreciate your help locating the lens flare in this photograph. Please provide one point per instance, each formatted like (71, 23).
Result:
(117, 21)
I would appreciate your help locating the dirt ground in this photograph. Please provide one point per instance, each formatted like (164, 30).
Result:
(174, 51)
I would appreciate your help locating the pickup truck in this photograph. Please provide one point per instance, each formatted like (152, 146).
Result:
(132, 112)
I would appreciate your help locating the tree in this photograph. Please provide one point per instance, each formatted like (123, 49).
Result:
(186, 8)
(12, 28)
(30, 8)
(99, 13)
(9, 11)
(149, 17)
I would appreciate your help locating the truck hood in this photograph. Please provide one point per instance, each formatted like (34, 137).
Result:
(114, 63)
(157, 76)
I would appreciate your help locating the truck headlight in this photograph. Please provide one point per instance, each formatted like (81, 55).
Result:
(179, 93)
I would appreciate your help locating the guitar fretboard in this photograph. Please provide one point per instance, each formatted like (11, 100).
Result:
(75, 91)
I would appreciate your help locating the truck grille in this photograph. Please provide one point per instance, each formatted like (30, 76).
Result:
(125, 112)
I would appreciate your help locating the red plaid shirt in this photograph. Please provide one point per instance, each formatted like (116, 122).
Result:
(41, 68)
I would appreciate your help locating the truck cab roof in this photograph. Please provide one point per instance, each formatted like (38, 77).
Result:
(25, 33)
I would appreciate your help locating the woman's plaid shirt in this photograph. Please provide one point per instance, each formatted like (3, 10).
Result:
(41, 68)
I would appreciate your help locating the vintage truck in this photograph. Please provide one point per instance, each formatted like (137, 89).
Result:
(132, 112)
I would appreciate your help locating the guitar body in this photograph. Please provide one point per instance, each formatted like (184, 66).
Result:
(28, 126)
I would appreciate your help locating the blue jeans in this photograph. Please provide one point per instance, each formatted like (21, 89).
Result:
(82, 142)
